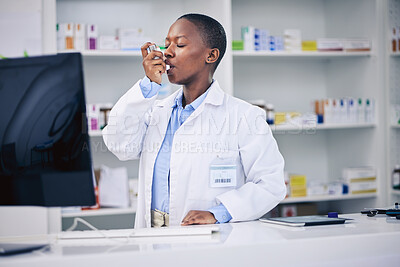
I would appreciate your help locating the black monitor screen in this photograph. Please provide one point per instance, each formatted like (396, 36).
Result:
(44, 150)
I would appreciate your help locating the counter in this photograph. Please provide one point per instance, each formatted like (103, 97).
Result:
(362, 242)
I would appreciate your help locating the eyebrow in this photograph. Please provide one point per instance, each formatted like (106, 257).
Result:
(178, 37)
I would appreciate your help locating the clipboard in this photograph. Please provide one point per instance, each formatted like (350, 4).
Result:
(298, 221)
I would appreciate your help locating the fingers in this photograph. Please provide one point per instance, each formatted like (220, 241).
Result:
(153, 63)
(155, 55)
(144, 49)
(198, 217)
(152, 66)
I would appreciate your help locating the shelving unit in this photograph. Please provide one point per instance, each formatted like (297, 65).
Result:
(309, 127)
(288, 80)
(320, 198)
(392, 9)
(300, 54)
(106, 53)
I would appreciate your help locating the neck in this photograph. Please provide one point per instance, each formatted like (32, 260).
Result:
(193, 90)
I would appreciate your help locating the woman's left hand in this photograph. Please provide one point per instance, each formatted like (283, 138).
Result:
(199, 217)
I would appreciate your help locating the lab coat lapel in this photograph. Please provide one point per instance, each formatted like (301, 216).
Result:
(163, 115)
(214, 97)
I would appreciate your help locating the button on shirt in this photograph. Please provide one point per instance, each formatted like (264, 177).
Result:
(160, 188)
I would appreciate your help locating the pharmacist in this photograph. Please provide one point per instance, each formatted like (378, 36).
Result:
(205, 157)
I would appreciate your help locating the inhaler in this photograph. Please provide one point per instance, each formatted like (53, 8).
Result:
(156, 48)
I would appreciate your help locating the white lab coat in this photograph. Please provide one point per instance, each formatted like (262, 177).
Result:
(222, 127)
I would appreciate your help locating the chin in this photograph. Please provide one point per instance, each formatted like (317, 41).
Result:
(172, 79)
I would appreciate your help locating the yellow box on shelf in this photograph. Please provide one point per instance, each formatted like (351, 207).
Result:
(280, 117)
(309, 45)
(298, 185)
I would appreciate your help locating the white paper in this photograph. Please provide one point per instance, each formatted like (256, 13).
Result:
(113, 187)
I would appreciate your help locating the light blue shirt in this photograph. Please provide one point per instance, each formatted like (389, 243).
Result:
(160, 188)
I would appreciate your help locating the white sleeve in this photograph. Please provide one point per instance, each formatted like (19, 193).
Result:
(263, 168)
(127, 124)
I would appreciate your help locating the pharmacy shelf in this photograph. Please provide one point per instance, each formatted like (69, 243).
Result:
(300, 54)
(138, 53)
(319, 198)
(395, 54)
(396, 192)
(99, 212)
(105, 53)
(95, 133)
(395, 125)
(306, 127)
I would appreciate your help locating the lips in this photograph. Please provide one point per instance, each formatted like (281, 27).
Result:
(171, 67)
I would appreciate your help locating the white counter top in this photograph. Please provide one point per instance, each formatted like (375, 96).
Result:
(367, 241)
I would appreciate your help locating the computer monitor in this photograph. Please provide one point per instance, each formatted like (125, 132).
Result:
(44, 145)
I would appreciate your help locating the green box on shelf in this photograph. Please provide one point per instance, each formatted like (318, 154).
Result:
(237, 45)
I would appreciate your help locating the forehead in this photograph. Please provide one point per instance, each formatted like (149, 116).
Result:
(184, 27)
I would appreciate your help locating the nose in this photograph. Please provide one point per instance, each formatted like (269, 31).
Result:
(169, 52)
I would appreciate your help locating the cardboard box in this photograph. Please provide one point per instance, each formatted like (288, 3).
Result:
(107, 42)
(298, 185)
(79, 36)
(357, 45)
(325, 44)
(131, 38)
(248, 33)
(309, 46)
(361, 180)
(91, 35)
(237, 45)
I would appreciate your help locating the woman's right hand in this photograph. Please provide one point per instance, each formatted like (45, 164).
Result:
(154, 68)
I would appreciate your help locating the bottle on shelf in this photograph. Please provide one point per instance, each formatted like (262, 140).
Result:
(396, 177)
(270, 114)
(394, 40)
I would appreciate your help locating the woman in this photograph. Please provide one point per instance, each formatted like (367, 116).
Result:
(205, 157)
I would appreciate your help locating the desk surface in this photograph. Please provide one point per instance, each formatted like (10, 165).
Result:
(367, 241)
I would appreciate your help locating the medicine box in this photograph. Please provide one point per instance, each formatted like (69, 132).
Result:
(361, 180)
(91, 35)
(93, 117)
(298, 185)
(248, 34)
(130, 38)
(357, 45)
(108, 42)
(65, 36)
(280, 117)
(326, 44)
(264, 39)
(292, 40)
(309, 45)
(60, 36)
(237, 45)
(79, 36)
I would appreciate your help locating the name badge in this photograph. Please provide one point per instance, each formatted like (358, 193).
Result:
(222, 175)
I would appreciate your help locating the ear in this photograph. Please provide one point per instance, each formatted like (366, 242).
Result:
(213, 56)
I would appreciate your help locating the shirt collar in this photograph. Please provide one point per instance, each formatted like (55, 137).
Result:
(195, 104)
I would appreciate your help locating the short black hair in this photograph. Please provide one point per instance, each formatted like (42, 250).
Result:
(211, 31)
